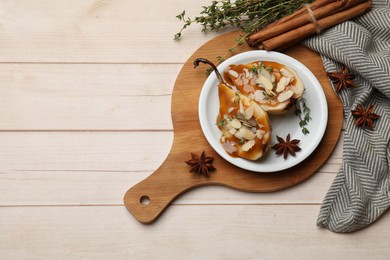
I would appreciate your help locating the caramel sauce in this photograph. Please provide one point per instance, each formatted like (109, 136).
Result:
(228, 99)
(244, 79)
(273, 65)
(243, 84)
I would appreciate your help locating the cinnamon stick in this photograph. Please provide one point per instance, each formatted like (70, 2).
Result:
(301, 20)
(314, 5)
(302, 32)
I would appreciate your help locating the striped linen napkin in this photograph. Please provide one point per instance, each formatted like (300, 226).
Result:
(360, 193)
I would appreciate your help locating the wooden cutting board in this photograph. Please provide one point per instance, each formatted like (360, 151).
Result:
(148, 199)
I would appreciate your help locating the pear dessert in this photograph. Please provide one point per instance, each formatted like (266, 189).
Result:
(246, 131)
(275, 87)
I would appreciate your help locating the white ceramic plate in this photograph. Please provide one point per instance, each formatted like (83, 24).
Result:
(281, 125)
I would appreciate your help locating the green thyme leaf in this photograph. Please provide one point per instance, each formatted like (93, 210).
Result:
(302, 111)
(222, 122)
(242, 141)
(249, 16)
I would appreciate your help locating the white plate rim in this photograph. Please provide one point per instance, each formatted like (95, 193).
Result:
(304, 73)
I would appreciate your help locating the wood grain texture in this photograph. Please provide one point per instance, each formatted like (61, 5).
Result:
(87, 188)
(86, 96)
(171, 180)
(83, 151)
(97, 31)
(36, 164)
(190, 232)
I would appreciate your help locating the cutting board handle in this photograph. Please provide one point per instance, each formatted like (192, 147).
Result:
(150, 197)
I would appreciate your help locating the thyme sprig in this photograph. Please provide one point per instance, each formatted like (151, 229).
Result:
(302, 111)
(222, 122)
(247, 15)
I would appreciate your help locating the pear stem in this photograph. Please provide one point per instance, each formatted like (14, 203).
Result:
(206, 61)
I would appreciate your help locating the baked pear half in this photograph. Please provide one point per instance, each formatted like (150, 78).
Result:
(245, 126)
(275, 87)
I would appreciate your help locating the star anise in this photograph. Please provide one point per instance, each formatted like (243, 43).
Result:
(364, 116)
(201, 164)
(342, 78)
(286, 147)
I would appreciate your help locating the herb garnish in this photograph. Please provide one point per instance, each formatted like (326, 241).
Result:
(303, 112)
(242, 141)
(249, 16)
(238, 98)
(222, 122)
(257, 68)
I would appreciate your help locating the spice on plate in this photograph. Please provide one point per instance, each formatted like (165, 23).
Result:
(287, 146)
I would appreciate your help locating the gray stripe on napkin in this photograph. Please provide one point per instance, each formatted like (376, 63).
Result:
(360, 193)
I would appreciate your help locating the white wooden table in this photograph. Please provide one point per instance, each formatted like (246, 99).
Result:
(85, 90)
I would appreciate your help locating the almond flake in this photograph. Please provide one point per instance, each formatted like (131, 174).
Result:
(249, 112)
(241, 107)
(232, 131)
(229, 147)
(230, 109)
(285, 96)
(265, 73)
(259, 96)
(246, 133)
(266, 82)
(273, 78)
(287, 73)
(253, 121)
(282, 84)
(236, 123)
(233, 73)
(248, 145)
(248, 74)
(259, 134)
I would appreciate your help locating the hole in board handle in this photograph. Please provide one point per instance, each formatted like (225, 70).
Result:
(144, 200)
